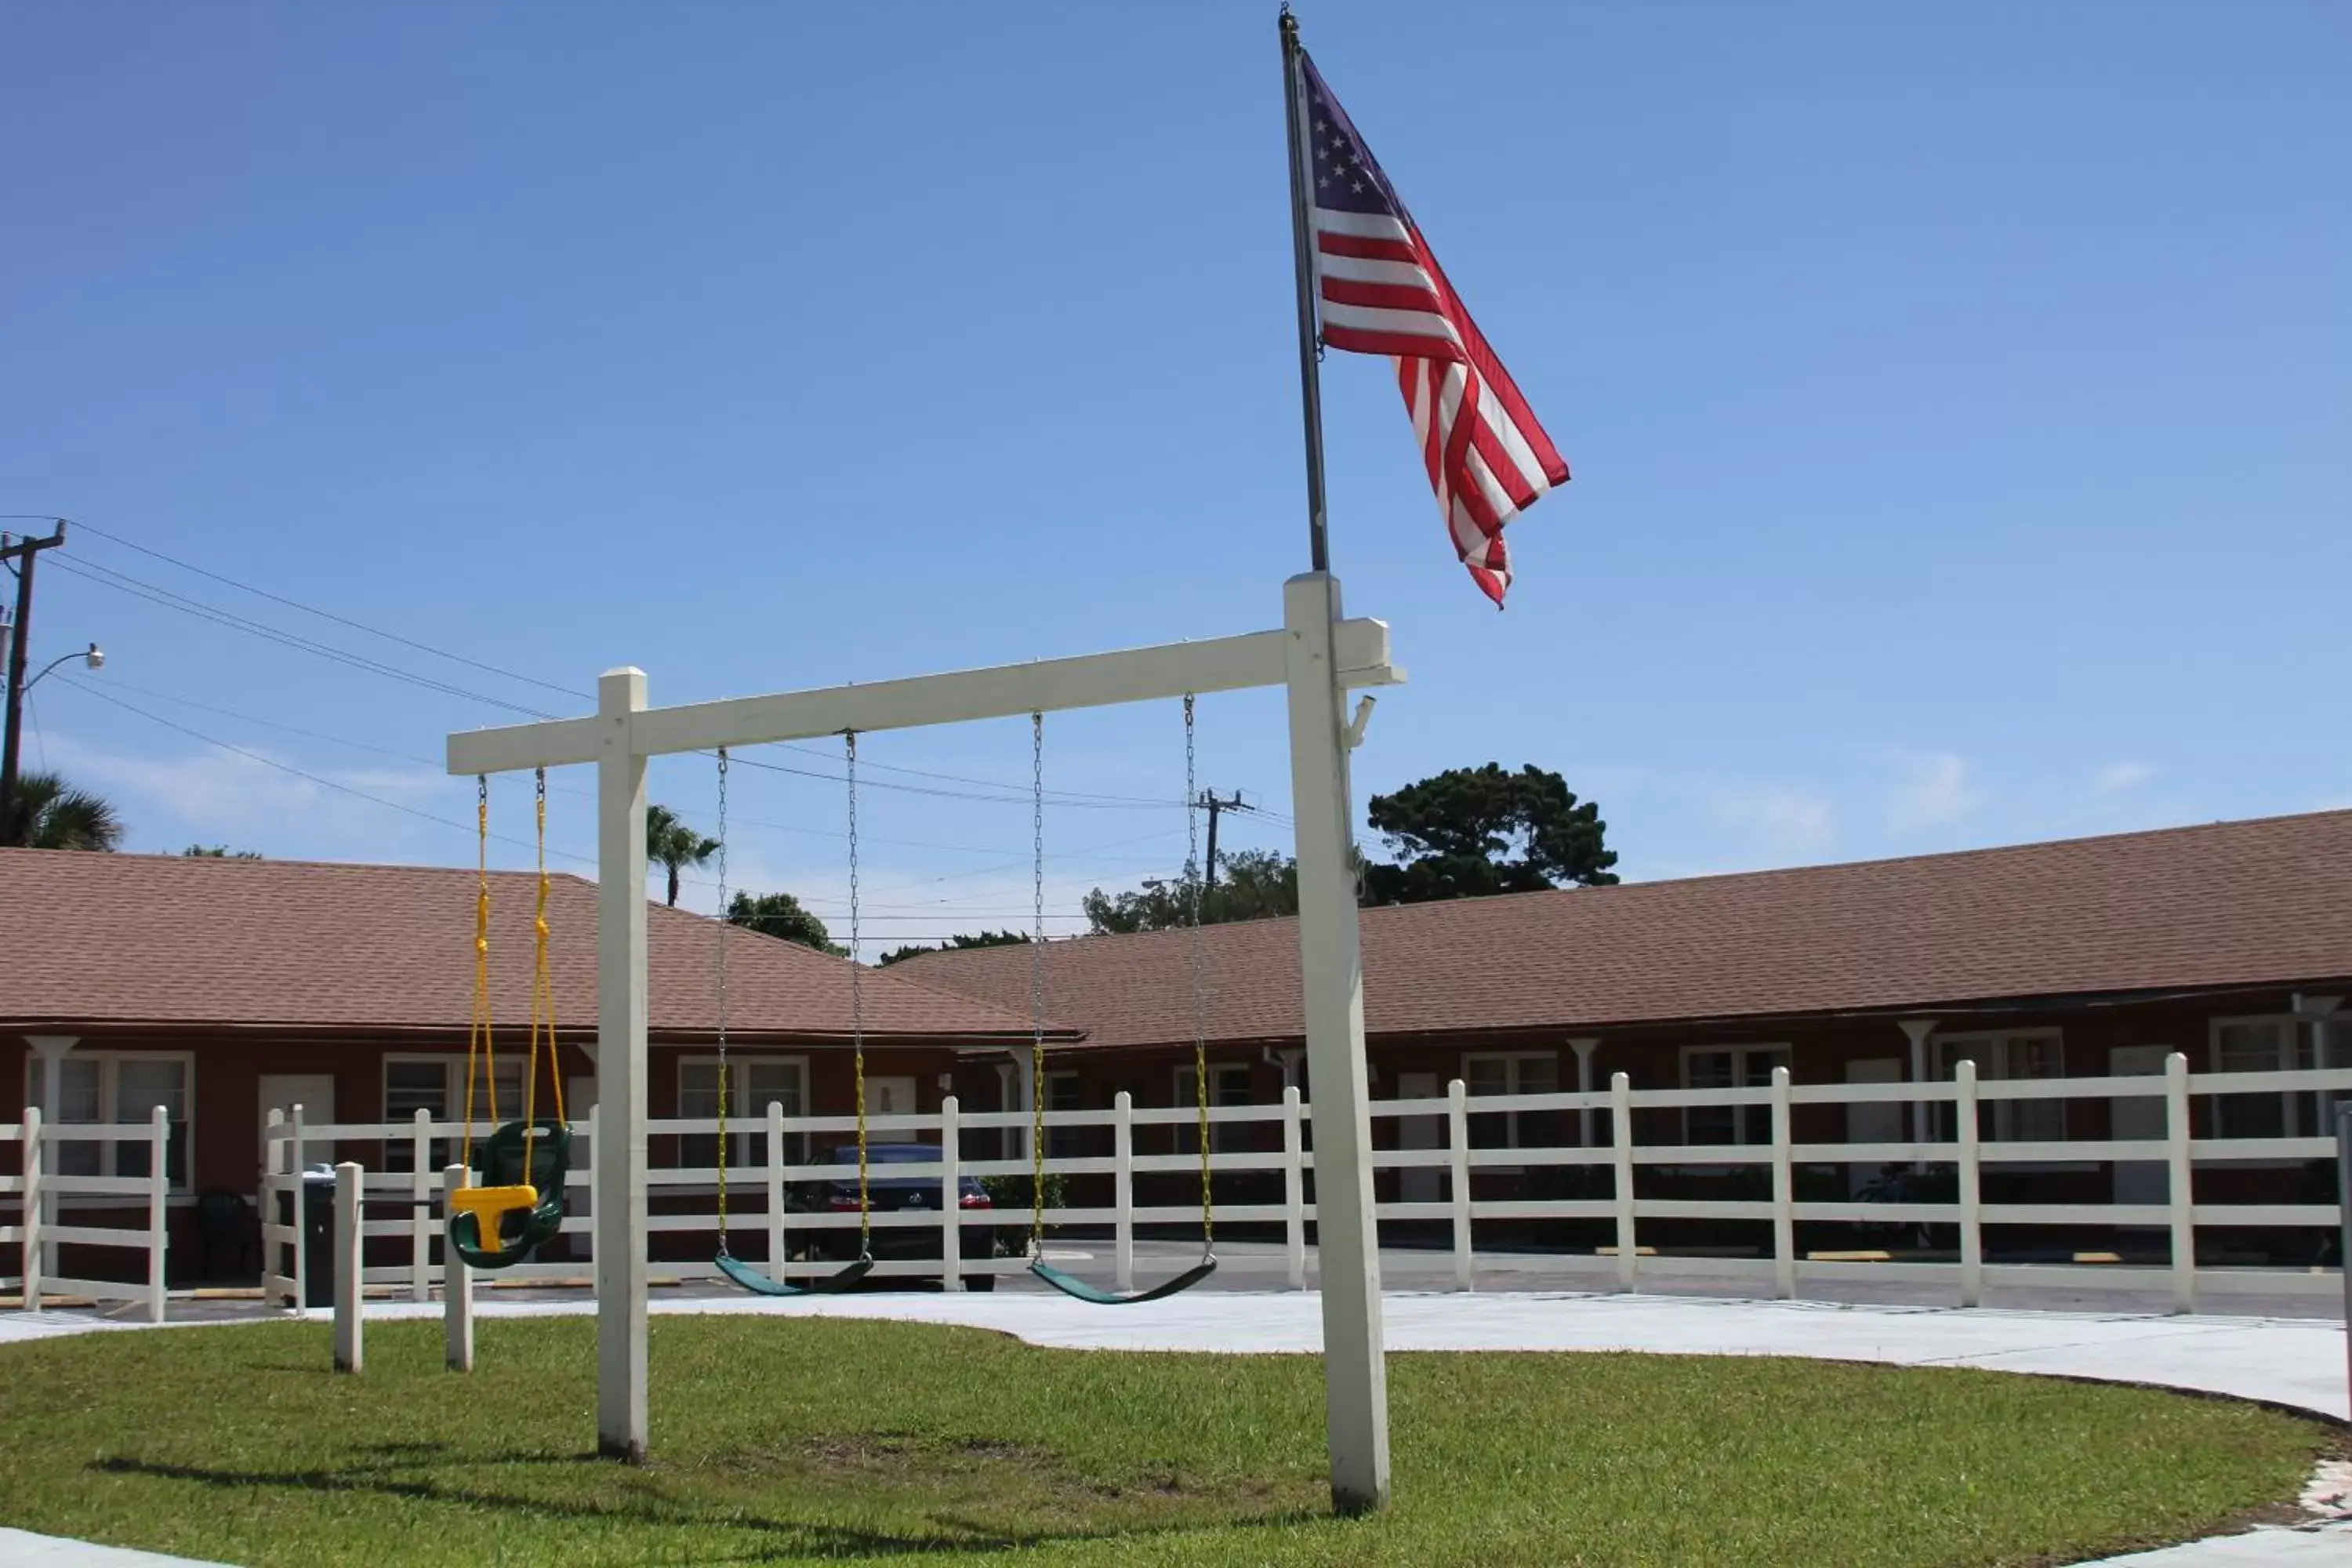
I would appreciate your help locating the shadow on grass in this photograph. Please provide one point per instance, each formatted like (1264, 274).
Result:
(808, 1537)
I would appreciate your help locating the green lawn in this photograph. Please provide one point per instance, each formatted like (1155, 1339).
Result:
(782, 1440)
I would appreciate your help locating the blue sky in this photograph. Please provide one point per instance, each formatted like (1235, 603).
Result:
(1958, 404)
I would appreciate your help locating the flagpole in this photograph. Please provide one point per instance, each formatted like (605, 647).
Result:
(1302, 244)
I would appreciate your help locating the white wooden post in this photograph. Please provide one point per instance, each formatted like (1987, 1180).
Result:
(51, 1049)
(301, 1295)
(621, 1069)
(1970, 1193)
(159, 1210)
(349, 1356)
(2179, 1192)
(1122, 1200)
(420, 1208)
(456, 1284)
(1457, 1147)
(1620, 1134)
(34, 1155)
(1784, 1192)
(270, 1148)
(1355, 1365)
(775, 1174)
(1294, 1191)
(951, 1195)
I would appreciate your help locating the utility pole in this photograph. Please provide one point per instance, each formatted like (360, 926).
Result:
(20, 556)
(1212, 805)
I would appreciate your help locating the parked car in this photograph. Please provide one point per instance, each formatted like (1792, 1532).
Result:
(893, 1194)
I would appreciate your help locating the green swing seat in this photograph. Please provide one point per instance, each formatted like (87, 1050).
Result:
(519, 1171)
(1070, 1285)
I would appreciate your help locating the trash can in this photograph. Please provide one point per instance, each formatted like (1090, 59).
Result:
(319, 1236)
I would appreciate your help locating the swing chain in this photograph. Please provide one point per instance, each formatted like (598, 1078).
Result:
(721, 1000)
(1198, 887)
(857, 1005)
(1037, 985)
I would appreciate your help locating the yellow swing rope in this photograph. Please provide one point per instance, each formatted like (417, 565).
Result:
(542, 991)
(480, 1048)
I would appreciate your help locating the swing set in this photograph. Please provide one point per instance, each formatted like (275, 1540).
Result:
(1314, 654)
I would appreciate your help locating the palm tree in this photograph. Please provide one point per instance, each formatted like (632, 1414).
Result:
(59, 817)
(672, 844)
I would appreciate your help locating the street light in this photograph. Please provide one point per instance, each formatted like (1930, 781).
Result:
(95, 657)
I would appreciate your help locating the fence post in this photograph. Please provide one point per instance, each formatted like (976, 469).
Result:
(1784, 1192)
(420, 1208)
(2178, 1180)
(456, 1285)
(270, 1148)
(348, 1355)
(1457, 1144)
(1969, 1192)
(1294, 1191)
(950, 1193)
(34, 1156)
(159, 1210)
(586, 1241)
(1122, 1200)
(1621, 1135)
(301, 1232)
(775, 1179)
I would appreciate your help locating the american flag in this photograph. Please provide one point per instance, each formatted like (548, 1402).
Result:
(1382, 293)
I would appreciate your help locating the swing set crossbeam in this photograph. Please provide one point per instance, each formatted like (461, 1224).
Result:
(1361, 649)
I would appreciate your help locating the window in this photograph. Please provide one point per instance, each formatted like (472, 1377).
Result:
(436, 1085)
(1229, 1084)
(752, 1082)
(2018, 1053)
(1516, 1072)
(1061, 1094)
(2283, 1044)
(1729, 1066)
(95, 1088)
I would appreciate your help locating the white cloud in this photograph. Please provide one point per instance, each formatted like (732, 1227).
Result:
(1937, 789)
(1789, 822)
(2118, 777)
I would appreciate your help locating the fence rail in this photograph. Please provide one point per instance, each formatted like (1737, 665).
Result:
(43, 1184)
(1948, 1174)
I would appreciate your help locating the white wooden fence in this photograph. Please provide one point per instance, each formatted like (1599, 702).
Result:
(402, 1202)
(42, 1193)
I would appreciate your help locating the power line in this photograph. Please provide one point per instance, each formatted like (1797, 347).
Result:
(331, 615)
(301, 773)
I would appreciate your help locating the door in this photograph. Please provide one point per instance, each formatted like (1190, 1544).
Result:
(1873, 1121)
(1420, 1184)
(2138, 1181)
(889, 1096)
(315, 1093)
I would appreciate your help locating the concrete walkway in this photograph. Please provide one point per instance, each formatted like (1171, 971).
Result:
(2296, 1363)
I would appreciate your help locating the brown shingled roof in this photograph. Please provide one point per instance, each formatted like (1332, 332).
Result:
(135, 939)
(2236, 903)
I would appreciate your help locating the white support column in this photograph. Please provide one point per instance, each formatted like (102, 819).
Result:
(1294, 1191)
(158, 1211)
(2180, 1182)
(1970, 1195)
(1025, 1085)
(1457, 1149)
(950, 1193)
(350, 1356)
(1122, 1197)
(621, 1070)
(420, 1208)
(36, 1155)
(1916, 1030)
(456, 1286)
(1355, 1364)
(1585, 1046)
(51, 1051)
(1620, 1133)
(1784, 1192)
